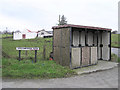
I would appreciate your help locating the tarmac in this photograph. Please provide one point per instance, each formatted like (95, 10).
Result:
(105, 76)
(100, 66)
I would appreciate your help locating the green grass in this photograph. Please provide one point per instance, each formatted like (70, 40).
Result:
(6, 35)
(114, 40)
(118, 59)
(9, 47)
(115, 58)
(26, 68)
(13, 68)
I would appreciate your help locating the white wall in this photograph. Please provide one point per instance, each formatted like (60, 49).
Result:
(31, 35)
(17, 36)
(45, 34)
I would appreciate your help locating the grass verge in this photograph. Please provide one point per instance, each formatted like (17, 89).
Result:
(115, 58)
(12, 68)
(115, 40)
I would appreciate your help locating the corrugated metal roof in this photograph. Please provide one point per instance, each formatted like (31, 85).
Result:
(80, 26)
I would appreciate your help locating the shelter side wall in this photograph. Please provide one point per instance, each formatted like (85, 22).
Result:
(65, 46)
(65, 55)
(65, 37)
(61, 46)
(57, 38)
(56, 55)
(57, 45)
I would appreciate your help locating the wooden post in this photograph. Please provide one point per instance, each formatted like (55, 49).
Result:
(35, 56)
(26, 53)
(19, 55)
(44, 52)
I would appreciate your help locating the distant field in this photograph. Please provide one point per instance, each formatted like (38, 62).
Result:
(6, 35)
(9, 48)
(114, 40)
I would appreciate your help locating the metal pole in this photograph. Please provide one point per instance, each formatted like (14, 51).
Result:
(70, 48)
(101, 45)
(110, 45)
(35, 56)
(19, 55)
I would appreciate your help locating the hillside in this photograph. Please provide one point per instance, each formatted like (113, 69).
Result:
(9, 48)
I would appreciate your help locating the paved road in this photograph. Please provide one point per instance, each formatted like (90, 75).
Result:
(102, 79)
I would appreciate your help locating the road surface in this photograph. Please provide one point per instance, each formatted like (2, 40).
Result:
(102, 79)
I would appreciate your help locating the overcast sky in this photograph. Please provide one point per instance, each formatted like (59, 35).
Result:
(43, 14)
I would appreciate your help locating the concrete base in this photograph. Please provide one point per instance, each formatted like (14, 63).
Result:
(102, 65)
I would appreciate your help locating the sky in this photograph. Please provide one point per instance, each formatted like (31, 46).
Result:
(43, 14)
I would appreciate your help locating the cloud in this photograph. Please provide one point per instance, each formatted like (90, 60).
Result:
(37, 14)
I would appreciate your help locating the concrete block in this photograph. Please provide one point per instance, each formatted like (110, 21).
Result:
(76, 57)
(95, 39)
(99, 52)
(106, 38)
(93, 55)
(82, 39)
(99, 38)
(105, 53)
(85, 56)
(90, 39)
(75, 38)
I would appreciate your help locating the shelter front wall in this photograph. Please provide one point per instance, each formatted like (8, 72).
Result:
(105, 53)
(90, 38)
(76, 57)
(95, 39)
(105, 38)
(85, 56)
(75, 38)
(82, 38)
(99, 38)
(93, 55)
